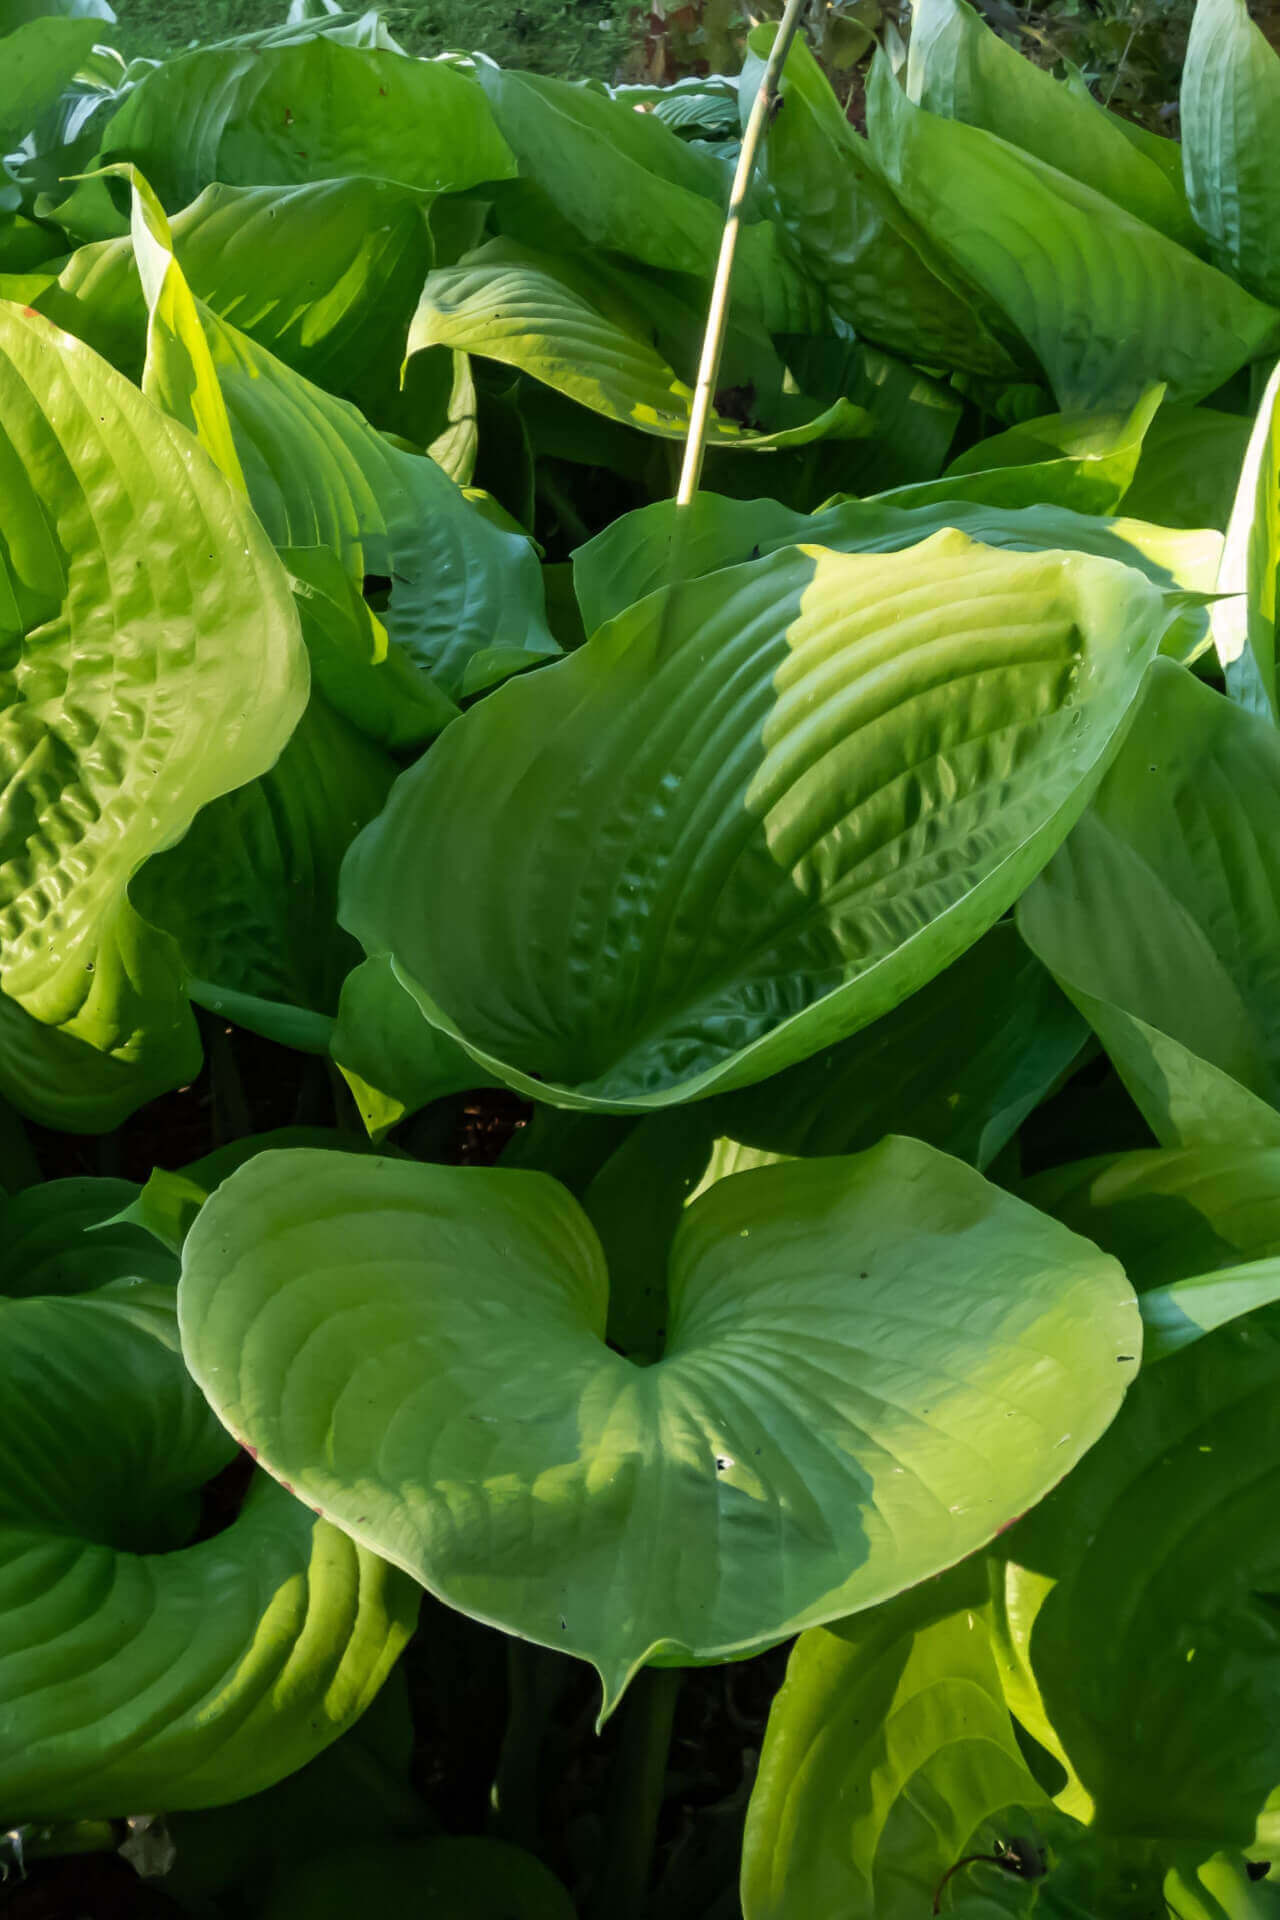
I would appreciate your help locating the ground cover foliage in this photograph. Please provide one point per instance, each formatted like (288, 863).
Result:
(641, 1257)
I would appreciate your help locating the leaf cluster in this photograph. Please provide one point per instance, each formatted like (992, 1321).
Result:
(691, 1079)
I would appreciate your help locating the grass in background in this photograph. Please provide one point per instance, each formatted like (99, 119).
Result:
(575, 39)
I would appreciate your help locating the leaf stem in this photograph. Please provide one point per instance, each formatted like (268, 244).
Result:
(718, 311)
(535, 1681)
(635, 1795)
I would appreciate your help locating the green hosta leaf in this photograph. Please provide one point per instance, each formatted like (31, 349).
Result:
(140, 602)
(1108, 305)
(1085, 461)
(843, 225)
(638, 553)
(420, 1351)
(1230, 99)
(139, 1669)
(733, 827)
(1244, 625)
(1151, 1576)
(351, 514)
(604, 176)
(1197, 1231)
(959, 68)
(552, 319)
(63, 1236)
(889, 1756)
(326, 275)
(40, 58)
(250, 894)
(1188, 468)
(451, 1879)
(1160, 918)
(312, 111)
(960, 1064)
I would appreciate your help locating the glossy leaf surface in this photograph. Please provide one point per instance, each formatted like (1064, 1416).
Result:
(733, 828)
(444, 1328)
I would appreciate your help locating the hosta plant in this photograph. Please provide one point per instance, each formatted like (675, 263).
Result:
(640, 1269)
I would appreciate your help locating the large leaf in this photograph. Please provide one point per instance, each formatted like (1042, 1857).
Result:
(1108, 305)
(326, 275)
(847, 231)
(870, 1365)
(605, 177)
(889, 1757)
(1197, 1231)
(1143, 1597)
(641, 552)
(1230, 99)
(743, 872)
(315, 110)
(554, 319)
(1245, 621)
(139, 1667)
(1161, 915)
(960, 1064)
(960, 68)
(142, 605)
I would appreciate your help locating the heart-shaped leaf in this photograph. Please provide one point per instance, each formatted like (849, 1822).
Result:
(871, 1364)
(1182, 994)
(784, 796)
(141, 600)
(141, 1666)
